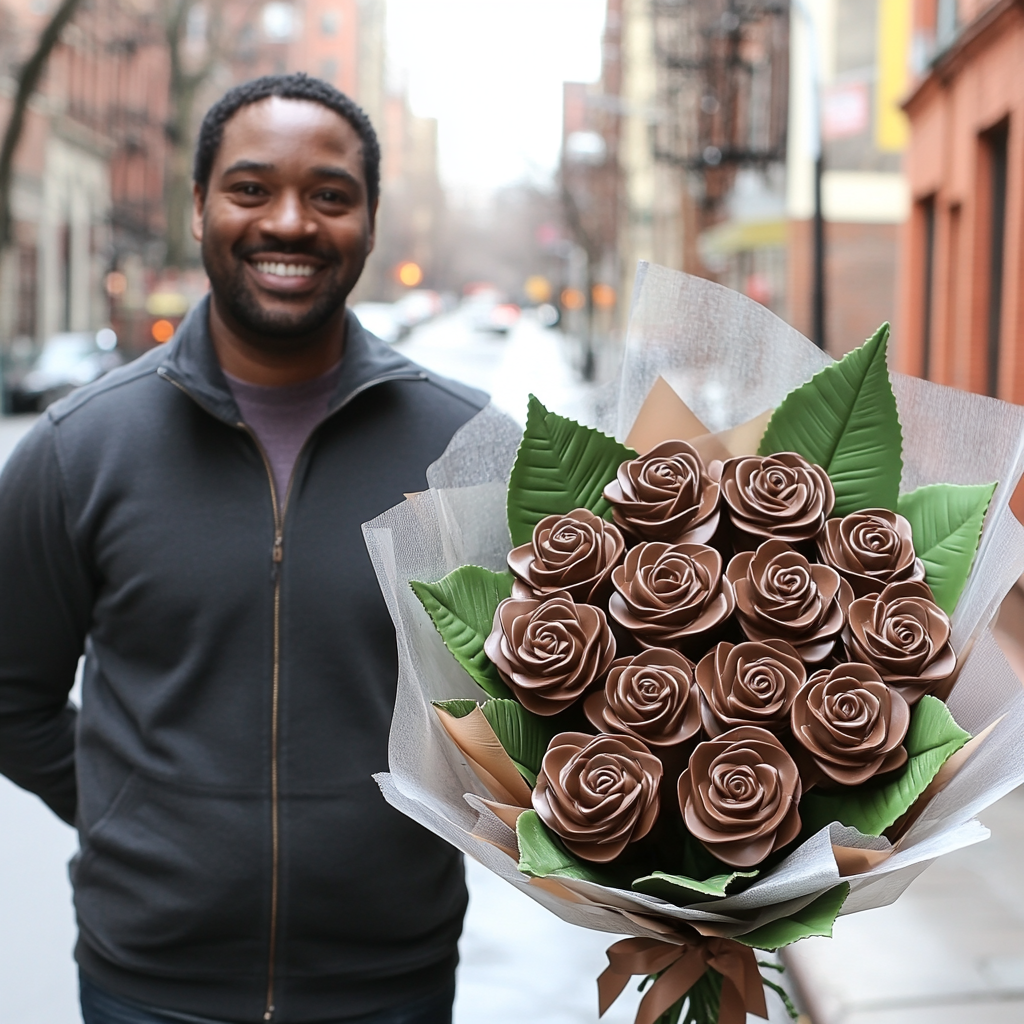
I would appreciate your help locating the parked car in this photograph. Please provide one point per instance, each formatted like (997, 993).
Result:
(488, 311)
(382, 319)
(67, 361)
(419, 306)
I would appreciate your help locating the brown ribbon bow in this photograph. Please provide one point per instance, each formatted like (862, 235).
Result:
(680, 966)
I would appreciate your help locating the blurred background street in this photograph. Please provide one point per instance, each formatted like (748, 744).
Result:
(842, 162)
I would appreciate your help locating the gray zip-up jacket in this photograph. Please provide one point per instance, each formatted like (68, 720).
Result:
(237, 861)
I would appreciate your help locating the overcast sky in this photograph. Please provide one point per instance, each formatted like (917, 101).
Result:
(491, 72)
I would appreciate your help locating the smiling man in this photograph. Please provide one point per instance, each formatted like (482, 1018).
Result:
(191, 523)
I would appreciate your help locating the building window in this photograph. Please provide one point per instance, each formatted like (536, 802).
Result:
(279, 21)
(953, 277)
(329, 22)
(927, 264)
(945, 23)
(995, 144)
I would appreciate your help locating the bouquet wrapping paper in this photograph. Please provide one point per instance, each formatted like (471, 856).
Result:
(732, 362)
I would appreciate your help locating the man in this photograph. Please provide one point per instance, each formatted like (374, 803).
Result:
(192, 523)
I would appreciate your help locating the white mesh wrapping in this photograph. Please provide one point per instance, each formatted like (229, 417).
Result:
(730, 360)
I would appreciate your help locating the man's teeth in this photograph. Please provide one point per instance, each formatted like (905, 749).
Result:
(286, 269)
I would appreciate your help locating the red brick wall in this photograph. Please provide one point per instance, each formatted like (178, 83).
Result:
(860, 280)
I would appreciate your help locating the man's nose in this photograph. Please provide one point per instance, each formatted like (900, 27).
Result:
(287, 218)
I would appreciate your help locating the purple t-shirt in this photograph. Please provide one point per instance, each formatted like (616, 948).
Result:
(283, 417)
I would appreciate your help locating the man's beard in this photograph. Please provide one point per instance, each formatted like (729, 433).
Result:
(281, 330)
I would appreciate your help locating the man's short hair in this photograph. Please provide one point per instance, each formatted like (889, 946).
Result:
(299, 86)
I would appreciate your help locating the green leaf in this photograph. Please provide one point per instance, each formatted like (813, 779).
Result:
(932, 739)
(946, 520)
(844, 419)
(456, 708)
(541, 854)
(524, 735)
(681, 890)
(462, 608)
(817, 918)
(561, 465)
(531, 777)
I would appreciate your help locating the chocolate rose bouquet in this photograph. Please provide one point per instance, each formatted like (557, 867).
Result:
(716, 684)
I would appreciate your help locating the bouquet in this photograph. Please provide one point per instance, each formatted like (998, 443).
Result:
(718, 683)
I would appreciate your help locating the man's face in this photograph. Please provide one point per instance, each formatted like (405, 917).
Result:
(284, 223)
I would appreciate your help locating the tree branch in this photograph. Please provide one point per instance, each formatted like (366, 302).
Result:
(28, 80)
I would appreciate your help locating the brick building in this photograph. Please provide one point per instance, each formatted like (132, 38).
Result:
(88, 173)
(91, 171)
(962, 259)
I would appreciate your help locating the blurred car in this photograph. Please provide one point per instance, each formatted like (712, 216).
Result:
(419, 306)
(67, 361)
(548, 315)
(489, 312)
(382, 319)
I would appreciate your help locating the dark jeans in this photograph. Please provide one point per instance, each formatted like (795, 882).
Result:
(100, 1007)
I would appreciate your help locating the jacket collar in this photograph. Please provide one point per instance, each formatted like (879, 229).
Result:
(192, 365)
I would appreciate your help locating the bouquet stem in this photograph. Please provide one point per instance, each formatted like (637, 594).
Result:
(702, 1004)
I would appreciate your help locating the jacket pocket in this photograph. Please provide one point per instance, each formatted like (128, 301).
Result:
(174, 881)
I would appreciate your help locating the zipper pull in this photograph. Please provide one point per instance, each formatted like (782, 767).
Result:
(277, 556)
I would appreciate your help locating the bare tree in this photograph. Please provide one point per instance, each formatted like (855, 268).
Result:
(587, 237)
(28, 80)
(188, 75)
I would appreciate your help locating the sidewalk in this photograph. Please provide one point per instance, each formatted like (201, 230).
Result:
(951, 949)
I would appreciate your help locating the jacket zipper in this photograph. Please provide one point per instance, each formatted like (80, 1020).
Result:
(276, 558)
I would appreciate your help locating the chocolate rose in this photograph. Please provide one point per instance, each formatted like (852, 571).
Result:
(870, 549)
(904, 635)
(666, 495)
(740, 796)
(651, 696)
(850, 723)
(574, 553)
(782, 496)
(549, 651)
(598, 793)
(781, 596)
(749, 684)
(668, 595)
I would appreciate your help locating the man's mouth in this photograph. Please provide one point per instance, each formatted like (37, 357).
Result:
(285, 269)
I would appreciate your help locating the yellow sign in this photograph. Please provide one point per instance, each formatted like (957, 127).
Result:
(894, 35)
(167, 304)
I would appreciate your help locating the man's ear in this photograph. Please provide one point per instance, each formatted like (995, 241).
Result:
(198, 204)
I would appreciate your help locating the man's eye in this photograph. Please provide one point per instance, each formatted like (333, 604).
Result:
(330, 196)
(249, 190)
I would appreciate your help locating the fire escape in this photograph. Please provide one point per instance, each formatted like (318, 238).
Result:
(723, 90)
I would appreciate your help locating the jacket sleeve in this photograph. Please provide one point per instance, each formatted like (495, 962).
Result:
(45, 609)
